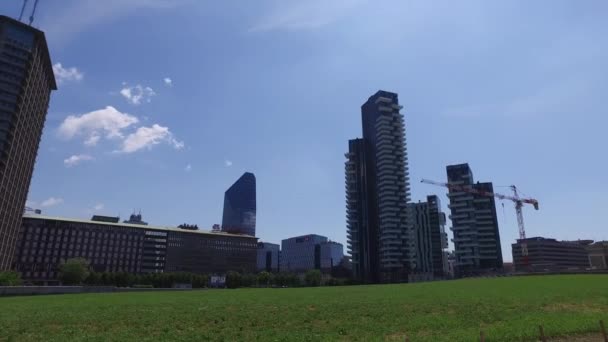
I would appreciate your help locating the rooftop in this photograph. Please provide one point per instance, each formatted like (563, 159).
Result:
(131, 225)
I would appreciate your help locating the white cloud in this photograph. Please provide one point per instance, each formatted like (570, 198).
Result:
(108, 122)
(98, 207)
(146, 137)
(228, 163)
(188, 168)
(30, 204)
(168, 82)
(53, 201)
(66, 74)
(76, 159)
(137, 94)
(304, 15)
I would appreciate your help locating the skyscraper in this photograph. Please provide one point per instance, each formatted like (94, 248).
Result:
(377, 189)
(240, 206)
(431, 239)
(474, 223)
(26, 82)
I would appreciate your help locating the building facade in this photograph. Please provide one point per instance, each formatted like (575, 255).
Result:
(26, 82)
(331, 255)
(268, 257)
(431, 238)
(550, 255)
(380, 236)
(46, 242)
(474, 224)
(240, 206)
(598, 255)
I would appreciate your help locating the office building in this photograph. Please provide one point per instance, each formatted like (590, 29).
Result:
(431, 239)
(240, 206)
(380, 236)
(598, 255)
(268, 257)
(550, 255)
(45, 242)
(26, 82)
(302, 253)
(331, 255)
(136, 219)
(474, 224)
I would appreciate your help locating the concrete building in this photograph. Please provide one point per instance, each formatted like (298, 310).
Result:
(598, 255)
(380, 236)
(474, 224)
(45, 242)
(268, 257)
(302, 253)
(550, 255)
(240, 206)
(26, 82)
(431, 239)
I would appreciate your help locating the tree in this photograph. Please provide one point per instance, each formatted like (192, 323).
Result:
(10, 278)
(74, 271)
(233, 280)
(264, 278)
(313, 278)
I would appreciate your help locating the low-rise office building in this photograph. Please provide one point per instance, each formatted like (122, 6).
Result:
(302, 253)
(268, 256)
(45, 242)
(550, 255)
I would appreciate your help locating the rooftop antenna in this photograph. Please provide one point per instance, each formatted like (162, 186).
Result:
(33, 12)
(22, 9)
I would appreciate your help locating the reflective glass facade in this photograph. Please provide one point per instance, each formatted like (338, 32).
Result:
(240, 206)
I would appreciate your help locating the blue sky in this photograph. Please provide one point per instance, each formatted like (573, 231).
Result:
(163, 104)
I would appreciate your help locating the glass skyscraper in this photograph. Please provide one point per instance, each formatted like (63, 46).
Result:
(26, 82)
(240, 206)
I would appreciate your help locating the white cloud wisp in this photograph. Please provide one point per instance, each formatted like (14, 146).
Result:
(51, 202)
(137, 94)
(146, 137)
(63, 75)
(107, 122)
(76, 159)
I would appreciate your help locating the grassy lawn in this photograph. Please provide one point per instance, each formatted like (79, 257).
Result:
(507, 309)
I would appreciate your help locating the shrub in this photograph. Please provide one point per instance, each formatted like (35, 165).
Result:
(10, 278)
(313, 278)
(74, 271)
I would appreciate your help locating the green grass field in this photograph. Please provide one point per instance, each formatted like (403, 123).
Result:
(507, 309)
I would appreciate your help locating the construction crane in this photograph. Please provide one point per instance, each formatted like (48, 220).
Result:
(33, 11)
(519, 202)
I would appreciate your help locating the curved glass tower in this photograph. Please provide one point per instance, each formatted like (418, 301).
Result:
(240, 206)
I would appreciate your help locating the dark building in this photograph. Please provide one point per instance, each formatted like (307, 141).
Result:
(240, 206)
(308, 252)
(45, 242)
(550, 255)
(380, 238)
(268, 257)
(26, 82)
(136, 219)
(474, 224)
(431, 239)
(109, 219)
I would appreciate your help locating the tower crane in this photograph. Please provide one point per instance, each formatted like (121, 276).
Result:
(519, 202)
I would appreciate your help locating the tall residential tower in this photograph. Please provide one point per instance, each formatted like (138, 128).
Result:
(26, 82)
(431, 239)
(380, 237)
(474, 223)
(240, 206)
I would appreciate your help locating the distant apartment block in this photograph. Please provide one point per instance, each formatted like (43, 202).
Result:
(598, 255)
(26, 82)
(240, 206)
(474, 224)
(268, 257)
(380, 237)
(307, 252)
(45, 242)
(551, 255)
(431, 238)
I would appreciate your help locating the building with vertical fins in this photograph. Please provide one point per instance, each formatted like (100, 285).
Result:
(431, 238)
(240, 206)
(380, 237)
(26, 82)
(474, 224)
